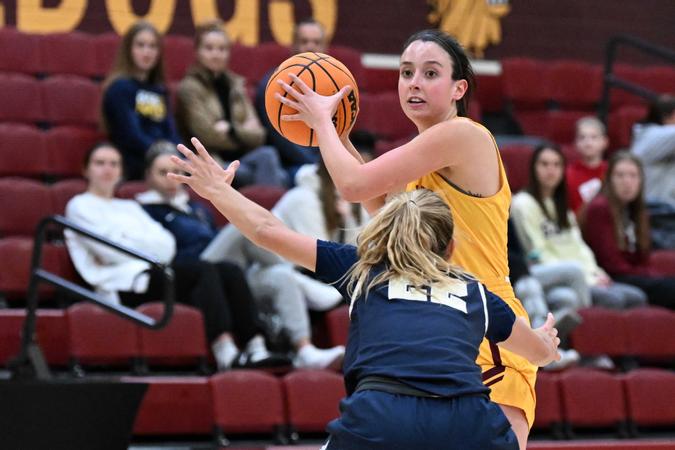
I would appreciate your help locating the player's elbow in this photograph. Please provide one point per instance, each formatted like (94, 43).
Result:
(264, 233)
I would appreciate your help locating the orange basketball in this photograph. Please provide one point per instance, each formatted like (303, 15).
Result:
(326, 76)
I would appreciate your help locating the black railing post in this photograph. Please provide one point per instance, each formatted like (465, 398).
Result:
(30, 362)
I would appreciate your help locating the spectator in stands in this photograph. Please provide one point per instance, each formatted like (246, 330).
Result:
(314, 207)
(213, 105)
(549, 232)
(558, 287)
(220, 292)
(654, 144)
(308, 36)
(192, 226)
(616, 226)
(585, 175)
(135, 110)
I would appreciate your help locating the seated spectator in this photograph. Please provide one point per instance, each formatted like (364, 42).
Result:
(192, 226)
(585, 175)
(220, 292)
(135, 110)
(213, 105)
(549, 233)
(654, 144)
(559, 288)
(616, 226)
(308, 36)
(314, 207)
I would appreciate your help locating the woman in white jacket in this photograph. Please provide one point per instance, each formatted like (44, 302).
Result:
(226, 304)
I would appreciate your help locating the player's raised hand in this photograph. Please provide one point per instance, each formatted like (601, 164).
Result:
(311, 107)
(202, 173)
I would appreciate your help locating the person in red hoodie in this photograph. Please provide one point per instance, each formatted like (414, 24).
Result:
(616, 226)
(585, 175)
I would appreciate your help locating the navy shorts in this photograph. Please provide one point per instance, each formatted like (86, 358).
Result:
(372, 420)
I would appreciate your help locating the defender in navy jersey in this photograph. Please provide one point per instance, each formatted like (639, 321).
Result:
(416, 320)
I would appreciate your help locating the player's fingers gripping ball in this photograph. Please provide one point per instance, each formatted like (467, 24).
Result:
(321, 73)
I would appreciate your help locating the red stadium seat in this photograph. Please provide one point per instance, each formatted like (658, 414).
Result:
(247, 401)
(20, 52)
(254, 62)
(68, 53)
(21, 98)
(660, 79)
(378, 80)
(22, 151)
(619, 97)
(15, 261)
(649, 395)
(570, 152)
(549, 409)
(307, 411)
(602, 332)
(218, 219)
(516, 159)
(592, 399)
(24, 203)
(337, 322)
(664, 260)
(265, 196)
(532, 122)
(351, 58)
(574, 84)
(174, 406)
(71, 100)
(382, 146)
(66, 147)
(561, 125)
(389, 120)
(101, 338)
(620, 125)
(130, 189)
(650, 333)
(105, 46)
(63, 191)
(523, 85)
(179, 53)
(490, 93)
(181, 343)
(51, 329)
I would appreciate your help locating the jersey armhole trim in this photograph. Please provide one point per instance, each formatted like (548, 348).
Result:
(485, 311)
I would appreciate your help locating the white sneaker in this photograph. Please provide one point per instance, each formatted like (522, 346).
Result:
(567, 358)
(256, 349)
(310, 357)
(224, 352)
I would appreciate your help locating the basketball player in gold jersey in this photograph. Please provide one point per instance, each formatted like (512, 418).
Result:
(453, 156)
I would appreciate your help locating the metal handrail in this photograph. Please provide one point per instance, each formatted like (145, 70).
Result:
(30, 362)
(612, 81)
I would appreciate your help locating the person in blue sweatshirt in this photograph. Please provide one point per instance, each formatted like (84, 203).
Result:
(135, 106)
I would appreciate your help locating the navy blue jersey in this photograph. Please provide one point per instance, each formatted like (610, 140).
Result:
(428, 340)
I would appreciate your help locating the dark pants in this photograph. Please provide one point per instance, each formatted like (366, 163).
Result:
(376, 420)
(219, 291)
(660, 290)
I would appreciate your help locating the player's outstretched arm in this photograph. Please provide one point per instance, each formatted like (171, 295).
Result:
(444, 145)
(205, 176)
(539, 345)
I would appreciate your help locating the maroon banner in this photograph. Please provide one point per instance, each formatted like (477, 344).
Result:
(489, 28)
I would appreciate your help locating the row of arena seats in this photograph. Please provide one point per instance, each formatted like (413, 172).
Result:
(253, 401)
(79, 336)
(545, 97)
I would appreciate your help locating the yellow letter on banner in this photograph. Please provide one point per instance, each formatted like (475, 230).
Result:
(32, 17)
(242, 27)
(122, 16)
(282, 18)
